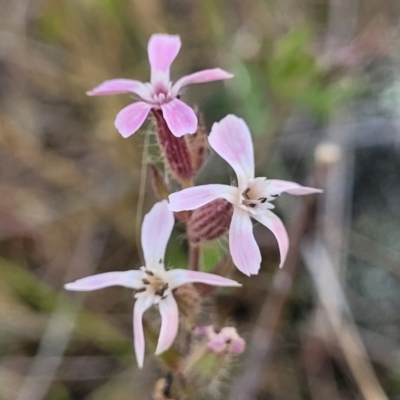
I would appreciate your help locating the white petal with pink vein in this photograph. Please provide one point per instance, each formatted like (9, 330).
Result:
(180, 277)
(156, 231)
(197, 196)
(231, 139)
(141, 305)
(242, 245)
(275, 225)
(130, 279)
(169, 324)
(278, 186)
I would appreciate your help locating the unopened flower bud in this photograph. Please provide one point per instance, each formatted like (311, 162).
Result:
(188, 300)
(210, 221)
(175, 152)
(211, 357)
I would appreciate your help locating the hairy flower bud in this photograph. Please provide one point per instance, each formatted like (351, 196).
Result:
(210, 221)
(203, 369)
(188, 300)
(211, 357)
(175, 152)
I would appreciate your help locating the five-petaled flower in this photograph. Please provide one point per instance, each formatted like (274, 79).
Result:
(153, 284)
(159, 93)
(231, 139)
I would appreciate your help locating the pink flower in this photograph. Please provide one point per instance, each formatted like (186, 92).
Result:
(225, 340)
(159, 92)
(153, 283)
(231, 139)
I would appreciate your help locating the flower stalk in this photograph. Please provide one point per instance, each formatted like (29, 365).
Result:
(194, 256)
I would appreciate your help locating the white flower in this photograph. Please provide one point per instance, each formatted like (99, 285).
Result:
(231, 139)
(154, 285)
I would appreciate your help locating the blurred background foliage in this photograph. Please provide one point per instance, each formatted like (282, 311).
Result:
(318, 84)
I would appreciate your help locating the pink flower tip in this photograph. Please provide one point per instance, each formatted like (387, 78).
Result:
(227, 340)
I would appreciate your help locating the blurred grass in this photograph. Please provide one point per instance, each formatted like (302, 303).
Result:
(39, 298)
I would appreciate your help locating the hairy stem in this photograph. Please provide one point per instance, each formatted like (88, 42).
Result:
(194, 256)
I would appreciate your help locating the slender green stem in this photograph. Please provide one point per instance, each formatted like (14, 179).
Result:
(140, 201)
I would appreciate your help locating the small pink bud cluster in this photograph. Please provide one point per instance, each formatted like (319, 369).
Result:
(211, 357)
(225, 340)
(208, 211)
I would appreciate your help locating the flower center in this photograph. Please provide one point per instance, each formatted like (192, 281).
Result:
(153, 284)
(250, 200)
(257, 193)
(160, 94)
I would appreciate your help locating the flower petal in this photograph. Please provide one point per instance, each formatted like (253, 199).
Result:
(131, 118)
(119, 86)
(195, 197)
(156, 231)
(231, 139)
(275, 225)
(227, 340)
(242, 245)
(278, 186)
(162, 50)
(129, 279)
(141, 305)
(169, 323)
(180, 118)
(178, 277)
(207, 75)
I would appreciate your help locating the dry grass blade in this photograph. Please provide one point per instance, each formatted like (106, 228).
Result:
(331, 295)
(59, 327)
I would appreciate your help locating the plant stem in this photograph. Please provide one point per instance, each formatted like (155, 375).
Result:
(194, 256)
